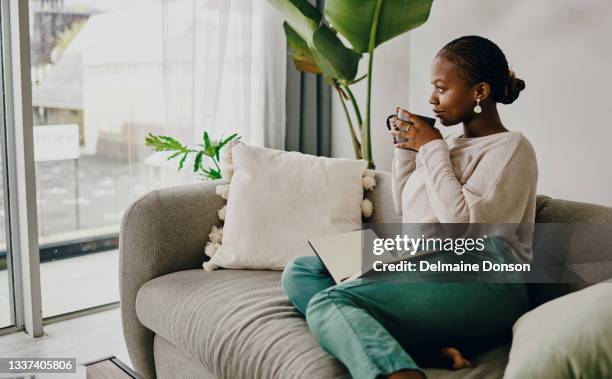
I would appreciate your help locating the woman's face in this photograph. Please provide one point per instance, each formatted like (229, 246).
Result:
(453, 99)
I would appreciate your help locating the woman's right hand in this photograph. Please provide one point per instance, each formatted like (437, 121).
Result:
(397, 131)
(393, 128)
(414, 133)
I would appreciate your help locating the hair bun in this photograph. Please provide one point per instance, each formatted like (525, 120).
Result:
(514, 86)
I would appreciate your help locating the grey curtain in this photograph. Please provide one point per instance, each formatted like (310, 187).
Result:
(308, 110)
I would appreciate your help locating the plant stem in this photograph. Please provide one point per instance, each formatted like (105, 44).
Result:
(358, 79)
(356, 144)
(355, 106)
(366, 140)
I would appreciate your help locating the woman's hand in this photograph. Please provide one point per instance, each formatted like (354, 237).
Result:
(416, 132)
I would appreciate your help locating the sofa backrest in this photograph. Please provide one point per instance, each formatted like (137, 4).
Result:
(585, 255)
(382, 199)
(584, 249)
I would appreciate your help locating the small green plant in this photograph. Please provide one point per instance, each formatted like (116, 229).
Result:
(210, 148)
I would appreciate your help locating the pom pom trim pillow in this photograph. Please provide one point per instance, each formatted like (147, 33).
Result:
(277, 200)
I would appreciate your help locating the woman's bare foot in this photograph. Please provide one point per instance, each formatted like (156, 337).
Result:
(455, 356)
(406, 374)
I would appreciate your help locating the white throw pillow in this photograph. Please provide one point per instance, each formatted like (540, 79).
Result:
(278, 200)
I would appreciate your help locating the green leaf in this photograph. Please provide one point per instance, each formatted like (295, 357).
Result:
(214, 174)
(300, 52)
(303, 17)
(154, 142)
(211, 173)
(182, 162)
(198, 161)
(354, 19)
(206, 140)
(306, 30)
(209, 147)
(174, 155)
(169, 140)
(164, 143)
(170, 143)
(225, 141)
(334, 59)
(210, 152)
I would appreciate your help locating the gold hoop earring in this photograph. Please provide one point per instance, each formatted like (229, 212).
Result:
(477, 108)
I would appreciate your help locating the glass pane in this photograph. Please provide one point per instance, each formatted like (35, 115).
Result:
(97, 91)
(6, 288)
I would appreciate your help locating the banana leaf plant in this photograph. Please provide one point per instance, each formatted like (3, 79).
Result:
(315, 45)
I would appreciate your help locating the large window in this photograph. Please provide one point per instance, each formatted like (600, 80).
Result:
(97, 90)
(90, 79)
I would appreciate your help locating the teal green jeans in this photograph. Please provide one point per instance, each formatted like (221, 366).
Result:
(377, 326)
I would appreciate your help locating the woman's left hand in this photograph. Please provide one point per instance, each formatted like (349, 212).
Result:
(416, 132)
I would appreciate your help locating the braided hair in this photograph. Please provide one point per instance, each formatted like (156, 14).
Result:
(481, 60)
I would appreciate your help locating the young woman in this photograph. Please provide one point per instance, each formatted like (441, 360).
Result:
(487, 174)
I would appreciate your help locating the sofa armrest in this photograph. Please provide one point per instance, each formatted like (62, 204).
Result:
(162, 232)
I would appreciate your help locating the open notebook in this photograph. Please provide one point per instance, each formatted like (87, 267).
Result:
(342, 253)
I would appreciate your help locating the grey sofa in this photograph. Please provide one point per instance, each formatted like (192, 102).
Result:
(180, 321)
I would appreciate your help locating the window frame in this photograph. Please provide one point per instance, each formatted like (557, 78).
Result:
(20, 180)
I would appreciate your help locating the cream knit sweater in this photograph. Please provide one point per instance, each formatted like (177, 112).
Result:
(490, 179)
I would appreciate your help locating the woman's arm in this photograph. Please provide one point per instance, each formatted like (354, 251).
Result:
(402, 167)
(445, 192)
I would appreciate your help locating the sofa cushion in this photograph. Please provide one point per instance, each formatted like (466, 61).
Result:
(239, 322)
(236, 323)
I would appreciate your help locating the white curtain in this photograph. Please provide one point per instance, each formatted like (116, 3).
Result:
(224, 65)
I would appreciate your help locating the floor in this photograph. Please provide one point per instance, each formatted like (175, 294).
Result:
(71, 284)
(109, 369)
(86, 338)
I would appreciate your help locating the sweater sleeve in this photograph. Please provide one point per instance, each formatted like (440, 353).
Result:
(445, 192)
(454, 202)
(402, 167)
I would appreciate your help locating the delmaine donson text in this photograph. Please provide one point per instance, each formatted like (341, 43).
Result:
(405, 245)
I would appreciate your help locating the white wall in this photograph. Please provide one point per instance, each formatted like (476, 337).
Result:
(561, 48)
